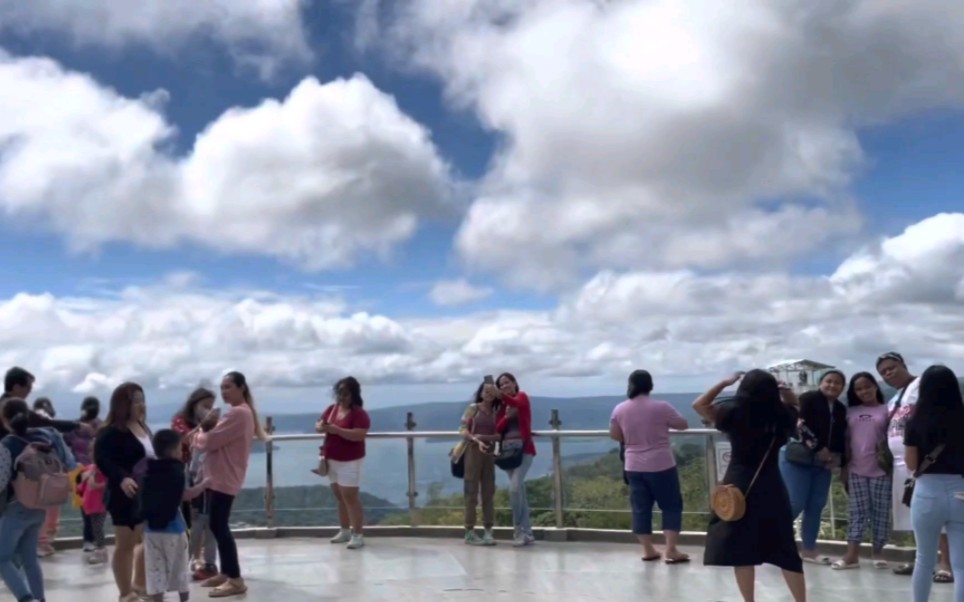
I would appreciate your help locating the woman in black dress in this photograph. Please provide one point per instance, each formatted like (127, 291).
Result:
(758, 421)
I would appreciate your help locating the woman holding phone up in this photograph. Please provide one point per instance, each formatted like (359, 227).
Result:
(515, 424)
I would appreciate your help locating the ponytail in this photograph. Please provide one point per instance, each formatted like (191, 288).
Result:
(259, 431)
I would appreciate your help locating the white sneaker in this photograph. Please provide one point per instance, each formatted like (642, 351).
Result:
(88, 546)
(518, 541)
(357, 541)
(343, 536)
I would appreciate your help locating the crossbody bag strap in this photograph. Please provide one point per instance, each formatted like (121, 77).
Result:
(929, 460)
(760, 467)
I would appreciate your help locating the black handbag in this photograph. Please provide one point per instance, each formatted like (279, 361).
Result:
(510, 455)
(909, 484)
(798, 452)
(458, 466)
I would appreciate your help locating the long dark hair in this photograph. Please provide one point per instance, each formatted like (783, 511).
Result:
(759, 395)
(121, 401)
(640, 383)
(353, 387)
(852, 399)
(939, 413)
(187, 413)
(477, 398)
(17, 414)
(511, 377)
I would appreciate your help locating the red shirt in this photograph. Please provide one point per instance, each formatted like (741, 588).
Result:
(182, 428)
(524, 414)
(338, 448)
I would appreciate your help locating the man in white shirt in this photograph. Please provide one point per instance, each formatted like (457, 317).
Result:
(893, 369)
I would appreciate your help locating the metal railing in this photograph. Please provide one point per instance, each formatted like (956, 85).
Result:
(555, 435)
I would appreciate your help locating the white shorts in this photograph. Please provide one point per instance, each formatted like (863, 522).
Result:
(166, 561)
(345, 474)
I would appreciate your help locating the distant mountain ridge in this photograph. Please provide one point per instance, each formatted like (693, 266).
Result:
(575, 413)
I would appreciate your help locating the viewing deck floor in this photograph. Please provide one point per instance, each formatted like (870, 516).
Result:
(422, 570)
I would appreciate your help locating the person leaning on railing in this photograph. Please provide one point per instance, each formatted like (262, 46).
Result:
(758, 421)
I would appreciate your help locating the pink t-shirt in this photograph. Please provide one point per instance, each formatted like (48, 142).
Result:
(227, 450)
(867, 427)
(645, 424)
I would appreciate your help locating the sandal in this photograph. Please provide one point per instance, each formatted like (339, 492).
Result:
(231, 587)
(904, 570)
(942, 576)
(652, 558)
(842, 565)
(821, 560)
(681, 559)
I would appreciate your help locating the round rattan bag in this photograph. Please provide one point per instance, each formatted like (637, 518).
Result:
(728, 503)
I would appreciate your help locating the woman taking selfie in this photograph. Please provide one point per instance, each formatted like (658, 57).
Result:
(515, 424)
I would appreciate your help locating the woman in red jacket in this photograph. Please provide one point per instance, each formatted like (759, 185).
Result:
(515, 423)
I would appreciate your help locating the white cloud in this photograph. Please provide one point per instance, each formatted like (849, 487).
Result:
(332, 172)
(677, 324)
(260, 34)
(458, 292)
(665, 134)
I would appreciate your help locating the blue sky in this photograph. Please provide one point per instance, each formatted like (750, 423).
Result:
(553, 160)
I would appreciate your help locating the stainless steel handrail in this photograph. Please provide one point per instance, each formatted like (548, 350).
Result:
(555, 435)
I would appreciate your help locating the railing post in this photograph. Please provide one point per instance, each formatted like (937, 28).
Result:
(557, 484)
(269, 475)
(412, 485)
(712, 469)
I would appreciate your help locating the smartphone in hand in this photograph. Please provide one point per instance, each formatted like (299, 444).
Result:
(489, 380)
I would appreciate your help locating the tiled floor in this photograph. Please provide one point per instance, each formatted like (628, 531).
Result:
(404, 569)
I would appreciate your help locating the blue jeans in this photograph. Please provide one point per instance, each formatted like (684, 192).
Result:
(932, 508)
(647, 488)
(19, 538)
(517, 497)
(809, 488)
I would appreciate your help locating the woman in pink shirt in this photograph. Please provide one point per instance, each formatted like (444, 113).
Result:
(228, 448)
(868, 482)
(642, 424)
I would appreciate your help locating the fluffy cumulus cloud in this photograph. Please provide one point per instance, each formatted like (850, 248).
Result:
(676, 323)
(458, 292)
(260, 34)
(648, 134)
(331, 172)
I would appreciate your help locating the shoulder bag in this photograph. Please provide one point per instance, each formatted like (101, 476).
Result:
(909, 484)
(457, 453)
(728, 502)
(323, 466)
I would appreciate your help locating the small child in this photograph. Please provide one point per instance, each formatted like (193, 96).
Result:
(163, 491)
(91, 490)
(203, 546)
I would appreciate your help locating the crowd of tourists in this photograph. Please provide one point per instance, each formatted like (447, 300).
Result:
(901, 462)
(169, 494)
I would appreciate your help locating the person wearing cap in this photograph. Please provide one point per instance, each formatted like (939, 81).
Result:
(893, 370)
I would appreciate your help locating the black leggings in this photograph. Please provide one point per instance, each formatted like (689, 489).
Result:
(220, 527)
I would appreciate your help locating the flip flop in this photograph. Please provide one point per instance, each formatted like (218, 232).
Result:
(678, 560)
(942, 576)
(840, 565)
(652, 558)
(821, 560)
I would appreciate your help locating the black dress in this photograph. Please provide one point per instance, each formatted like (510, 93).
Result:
(765, 533)
(119, 454)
